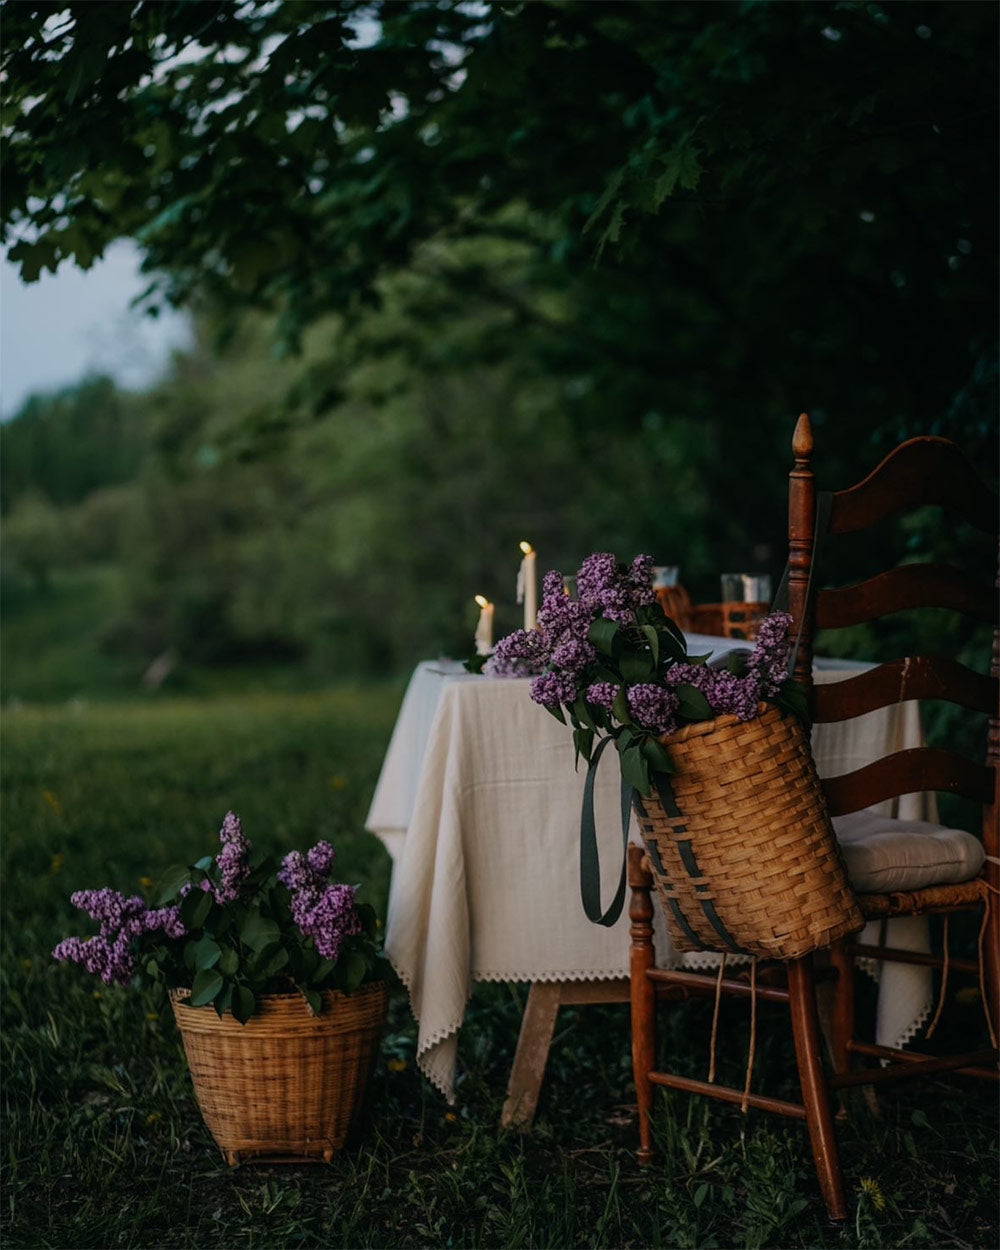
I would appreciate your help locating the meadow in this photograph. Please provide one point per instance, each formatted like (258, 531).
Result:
(103, 1144)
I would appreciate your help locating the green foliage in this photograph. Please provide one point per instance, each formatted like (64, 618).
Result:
(234, 951)
(73, 442)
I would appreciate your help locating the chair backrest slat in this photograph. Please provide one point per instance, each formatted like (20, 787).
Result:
(909, 772)
(903, 588)
(921, 471)
(916, 677)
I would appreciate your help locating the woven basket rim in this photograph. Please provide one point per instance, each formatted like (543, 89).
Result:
(179, 995)
(699, 728)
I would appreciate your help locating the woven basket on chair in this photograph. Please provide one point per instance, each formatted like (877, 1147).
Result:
(743, 853)
(287, 1085)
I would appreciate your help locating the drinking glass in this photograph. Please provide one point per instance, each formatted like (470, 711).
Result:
(746, 588)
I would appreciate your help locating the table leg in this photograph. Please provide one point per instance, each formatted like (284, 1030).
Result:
(537, 1026)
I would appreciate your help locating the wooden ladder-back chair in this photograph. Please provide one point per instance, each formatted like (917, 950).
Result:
(919, 472)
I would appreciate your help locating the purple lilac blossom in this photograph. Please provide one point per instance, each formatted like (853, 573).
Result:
(551, 689)
(324, 912)
(327, 916)
(595, 575)
(653, 707)
(574, 655)
(112, 953)
(560, 618)
(726, 693)
(641, 578)
(520, 654)
(769, 661)
(233, 860)
(321, 858)
(602, 693)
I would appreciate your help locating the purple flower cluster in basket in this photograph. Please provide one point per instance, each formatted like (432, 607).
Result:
(565, 664)
(326, 913)
(111, 953)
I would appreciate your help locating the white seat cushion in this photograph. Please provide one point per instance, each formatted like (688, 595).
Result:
(883, 854)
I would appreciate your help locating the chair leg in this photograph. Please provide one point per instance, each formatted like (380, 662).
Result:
(815, 1096)
(842, 1022)
(642, 996)
(991, 962)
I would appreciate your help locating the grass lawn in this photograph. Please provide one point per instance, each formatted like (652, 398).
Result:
(103, 1144)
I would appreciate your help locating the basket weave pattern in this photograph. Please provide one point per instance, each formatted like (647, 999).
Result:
(287, 1085)
(750, 849)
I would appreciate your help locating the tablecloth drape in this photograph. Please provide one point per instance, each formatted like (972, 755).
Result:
(478, 803)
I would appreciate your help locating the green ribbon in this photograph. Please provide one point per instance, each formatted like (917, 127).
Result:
(590, 867)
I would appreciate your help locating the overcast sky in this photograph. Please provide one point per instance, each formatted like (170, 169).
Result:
(55, 331)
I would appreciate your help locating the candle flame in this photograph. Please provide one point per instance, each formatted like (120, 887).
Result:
(482, 601)
(527, 548)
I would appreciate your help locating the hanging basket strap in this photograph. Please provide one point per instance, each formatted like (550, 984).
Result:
(590, 867)
(702, 888)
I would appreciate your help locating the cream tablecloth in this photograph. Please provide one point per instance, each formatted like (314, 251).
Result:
(479, 805)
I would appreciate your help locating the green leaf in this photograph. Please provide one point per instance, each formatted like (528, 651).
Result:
(692, 704)
(207, 983)
(169, 884)
(354, 968)
(270, 961)
(635, 769)
(229, 961)
(257, 931)
(556, 711)
(223, 1000)
(206, 953)
(195, 907)
(657, 756)
(581, 711)
(583, 741)
(323, 970)
(243, 1003)
(653, 637)
(603, 634)
(672, 638)
(620, 707)
(636, 666)
(313, 998)
(204, 863)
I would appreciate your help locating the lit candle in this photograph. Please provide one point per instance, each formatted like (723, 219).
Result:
(484, 630)
(527, 585)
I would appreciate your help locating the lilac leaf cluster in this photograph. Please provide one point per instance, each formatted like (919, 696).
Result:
(232, 931)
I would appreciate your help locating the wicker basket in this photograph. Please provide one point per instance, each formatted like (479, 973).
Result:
(741, 847)
(286, 1086)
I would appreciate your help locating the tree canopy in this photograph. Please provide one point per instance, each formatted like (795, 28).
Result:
(646, 233)
(818, 174)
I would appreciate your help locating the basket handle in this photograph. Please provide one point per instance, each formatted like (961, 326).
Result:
(590, 866)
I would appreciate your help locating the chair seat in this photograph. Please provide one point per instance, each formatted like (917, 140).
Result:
(885, 856)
